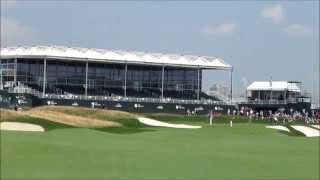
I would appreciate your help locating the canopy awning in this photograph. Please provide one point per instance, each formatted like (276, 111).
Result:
(274, 86)
(116, 56)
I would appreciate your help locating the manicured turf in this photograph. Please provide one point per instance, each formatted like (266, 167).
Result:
(245, 151)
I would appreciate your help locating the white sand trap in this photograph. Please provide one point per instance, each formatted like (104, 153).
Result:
(152, 122)
(307, 131)
(316, 126)
(279, 128)
(18, 126)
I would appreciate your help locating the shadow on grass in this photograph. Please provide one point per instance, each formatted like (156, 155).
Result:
(124, 130)
(129, 126)
(130, 123)
(292, 134)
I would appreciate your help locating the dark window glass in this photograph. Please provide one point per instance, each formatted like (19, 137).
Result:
(106, 79)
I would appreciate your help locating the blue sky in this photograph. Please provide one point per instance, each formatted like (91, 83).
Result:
(260, 39)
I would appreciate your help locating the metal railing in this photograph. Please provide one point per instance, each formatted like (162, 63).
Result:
(273, 101)
(315, 106)
(28, 90)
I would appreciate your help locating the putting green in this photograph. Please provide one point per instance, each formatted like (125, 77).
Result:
(246, 151)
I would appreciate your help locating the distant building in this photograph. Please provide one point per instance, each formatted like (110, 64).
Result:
(274, 90)
(219, 90)
(275, 95)
(122, 80)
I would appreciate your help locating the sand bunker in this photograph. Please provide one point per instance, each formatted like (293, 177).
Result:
(279, 128)
(18, 126)
(307, 131)
(152, 122)
(316, 126)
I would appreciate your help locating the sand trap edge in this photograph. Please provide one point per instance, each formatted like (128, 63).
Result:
(152, 122)
(19, 126)
(282, 128)
(307, 131)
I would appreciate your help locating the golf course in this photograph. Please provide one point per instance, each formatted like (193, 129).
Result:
(84, 143)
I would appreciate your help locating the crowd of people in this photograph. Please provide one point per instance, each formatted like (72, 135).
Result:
(281, 115)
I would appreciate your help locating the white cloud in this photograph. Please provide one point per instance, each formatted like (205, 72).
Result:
(14, 33)
(274, 13)
(296, 29)
(221, 29)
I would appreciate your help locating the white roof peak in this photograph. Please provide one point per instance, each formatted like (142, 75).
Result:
(113, 55)
(274, 86)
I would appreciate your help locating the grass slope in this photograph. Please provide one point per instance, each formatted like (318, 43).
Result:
(245, 151)
(12, 116)
(123, 118)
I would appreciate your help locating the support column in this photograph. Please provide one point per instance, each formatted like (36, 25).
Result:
(44, 77)
(125, 80)
(15, 71)
(162, 81)
(86, 86)
(285, 97)
(1, 79)
(246, 98)
(231, 84)
(198, 88)
(271, 89)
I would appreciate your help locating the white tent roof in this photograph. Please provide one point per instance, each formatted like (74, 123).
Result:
(273, 85)
(106, 55)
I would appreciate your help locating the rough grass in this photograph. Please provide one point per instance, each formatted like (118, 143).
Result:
(69, 119)
(89, 112)
(114, 118)
(14, 116)
(78, 117)
(7, 115)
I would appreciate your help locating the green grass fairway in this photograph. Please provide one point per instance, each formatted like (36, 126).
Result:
(245, 151)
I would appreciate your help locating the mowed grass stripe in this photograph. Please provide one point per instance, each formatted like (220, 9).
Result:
(246, 151)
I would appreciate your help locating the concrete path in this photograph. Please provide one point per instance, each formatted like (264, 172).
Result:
(152, 122)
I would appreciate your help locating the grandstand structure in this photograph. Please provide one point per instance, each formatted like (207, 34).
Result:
(275, 95)
(62, 73)
(285, 91)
